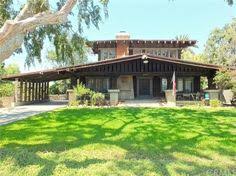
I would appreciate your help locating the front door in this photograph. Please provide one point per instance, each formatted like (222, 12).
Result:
(144, 87)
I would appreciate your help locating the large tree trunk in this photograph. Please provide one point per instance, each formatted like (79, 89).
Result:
(13, 31)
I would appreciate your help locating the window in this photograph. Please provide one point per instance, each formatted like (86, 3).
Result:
(163, 84)
(165, 53)
(97, 84)
(108, 53)
(188, 84)
(173, 53)
(180, 84)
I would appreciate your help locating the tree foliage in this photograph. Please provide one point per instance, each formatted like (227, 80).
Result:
(6, 87)
(71, 51)
(59, 87)
(221, 45)
(223, 79)
(62, 36)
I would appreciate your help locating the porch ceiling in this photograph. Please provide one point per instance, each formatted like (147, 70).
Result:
(115, 66)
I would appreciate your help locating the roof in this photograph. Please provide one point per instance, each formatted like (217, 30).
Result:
(67, 72)
(138, 43)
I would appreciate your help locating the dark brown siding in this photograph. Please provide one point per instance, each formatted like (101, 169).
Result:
(135, 85)
(156, 86)
(197, 84)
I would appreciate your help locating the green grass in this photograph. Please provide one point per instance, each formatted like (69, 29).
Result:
(125, 141)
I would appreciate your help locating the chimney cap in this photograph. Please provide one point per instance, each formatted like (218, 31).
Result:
(122, 35)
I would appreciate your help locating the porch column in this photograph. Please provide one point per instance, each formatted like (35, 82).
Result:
(211, 84)
(73, 82)
(33, 91)
(47, 90)
(169, 87)
(29, 89)
(40, 91)
(36, 91)
(82, 79)
(197, 84)
(21, 91)
(25, 92)
(16, 90)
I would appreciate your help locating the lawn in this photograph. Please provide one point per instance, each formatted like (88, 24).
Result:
(121, 141)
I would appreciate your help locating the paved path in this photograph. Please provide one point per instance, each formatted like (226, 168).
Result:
(9, 115)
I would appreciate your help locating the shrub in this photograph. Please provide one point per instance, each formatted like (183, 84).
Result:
(98, 99)
(215, 103)
(223, 79)
(74, 103)
(82, 92)
(6, 89)
(87, 97)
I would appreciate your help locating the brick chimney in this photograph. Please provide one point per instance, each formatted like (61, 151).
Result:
(122, 48)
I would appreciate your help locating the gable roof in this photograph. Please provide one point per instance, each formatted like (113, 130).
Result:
(56, 74)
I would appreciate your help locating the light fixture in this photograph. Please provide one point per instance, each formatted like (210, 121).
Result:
(145, 61)
(144, 57)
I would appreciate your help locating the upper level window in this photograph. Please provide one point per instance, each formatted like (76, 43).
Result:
(107, 53)
(157, 52)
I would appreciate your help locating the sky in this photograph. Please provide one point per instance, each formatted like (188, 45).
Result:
(153, 19)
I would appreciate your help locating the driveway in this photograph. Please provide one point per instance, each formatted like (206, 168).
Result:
(9, 115)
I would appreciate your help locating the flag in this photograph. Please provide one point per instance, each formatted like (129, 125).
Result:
(174, 84)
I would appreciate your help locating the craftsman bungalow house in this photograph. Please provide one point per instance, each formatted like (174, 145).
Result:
(138, 68)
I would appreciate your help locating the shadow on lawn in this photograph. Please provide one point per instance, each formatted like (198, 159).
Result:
(156, 135)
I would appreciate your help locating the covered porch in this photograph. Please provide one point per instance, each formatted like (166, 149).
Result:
(136, 77)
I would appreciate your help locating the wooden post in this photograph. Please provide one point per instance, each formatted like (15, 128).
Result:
(25, 92)
(44, 90)
(16, 90)
(21, 90)
(73, 82)
(36, 91)
(33, 91)
(29, 92)
(40, 91)
(47, 91)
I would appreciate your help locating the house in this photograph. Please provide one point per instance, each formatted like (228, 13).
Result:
(138, 68)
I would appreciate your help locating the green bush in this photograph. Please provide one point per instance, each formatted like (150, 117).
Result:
(6, 89)
(87, 97)
(98, 99)
(74, 103)
(215, 103)
(82, 92)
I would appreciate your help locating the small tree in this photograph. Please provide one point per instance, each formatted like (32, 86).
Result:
(223, 79)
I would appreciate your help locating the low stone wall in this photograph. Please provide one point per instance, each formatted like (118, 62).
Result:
(58, 97)
(6, 102)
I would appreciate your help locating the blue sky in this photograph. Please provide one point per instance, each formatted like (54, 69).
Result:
(155, 19)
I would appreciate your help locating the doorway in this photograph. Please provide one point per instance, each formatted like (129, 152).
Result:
(144, 87)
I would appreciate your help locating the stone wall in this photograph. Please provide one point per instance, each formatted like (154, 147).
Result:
(6, 102)
(125, 85)
(58, 97)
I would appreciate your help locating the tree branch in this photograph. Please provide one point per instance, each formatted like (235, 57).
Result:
(13, 31)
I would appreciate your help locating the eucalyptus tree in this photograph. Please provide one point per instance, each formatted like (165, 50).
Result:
(40, 20)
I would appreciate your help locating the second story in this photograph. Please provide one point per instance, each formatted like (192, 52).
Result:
(124, 46)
